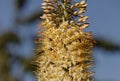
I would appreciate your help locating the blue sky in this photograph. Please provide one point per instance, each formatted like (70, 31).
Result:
(105, 18)
(104, 21)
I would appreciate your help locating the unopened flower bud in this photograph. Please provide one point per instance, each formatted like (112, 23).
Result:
(46, 1)
(46, 11)
(50, 7)
(82, 2)
(72, 22)
(75, 13)
(53, 14)
(50, 18)
(49, 15)
(82, 27)
(82, 18)
(72, 6)
(77, 4)
(44, 4)
(44, 7)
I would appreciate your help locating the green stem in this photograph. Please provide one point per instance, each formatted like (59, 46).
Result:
(65, 12)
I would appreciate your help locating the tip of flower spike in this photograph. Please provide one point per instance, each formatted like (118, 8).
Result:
(60, 11)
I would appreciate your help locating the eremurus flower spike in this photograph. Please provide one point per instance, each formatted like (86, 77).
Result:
(64, 53)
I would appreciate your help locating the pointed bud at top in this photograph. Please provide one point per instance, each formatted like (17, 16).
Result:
(46, 1)
(82, 2)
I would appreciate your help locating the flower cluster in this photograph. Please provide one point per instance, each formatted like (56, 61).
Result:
(64, 53)
(64, 10)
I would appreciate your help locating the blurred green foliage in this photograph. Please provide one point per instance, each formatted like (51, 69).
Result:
(20, 4)
(5, 56)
